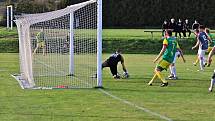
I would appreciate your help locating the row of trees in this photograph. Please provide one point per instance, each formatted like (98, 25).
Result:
(151, 13)
(134, 13)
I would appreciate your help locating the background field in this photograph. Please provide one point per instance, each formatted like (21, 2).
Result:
(129, 40)
(186, 99)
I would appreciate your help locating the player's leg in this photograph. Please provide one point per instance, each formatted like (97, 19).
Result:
(212, 82)
(201, 59)
(44, 48)
(35, 50)
(160, 67)
(176, 33)
(179, 33)
(174, 71)
(152, 80)
(113, 69)
(210, 56)
(196, 61)
(189, 33)
(171, 72)
(105, 64)
(184, 33)
(173, 67)
(161, 77)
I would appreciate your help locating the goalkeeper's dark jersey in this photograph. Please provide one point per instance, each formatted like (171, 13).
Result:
(114, 59)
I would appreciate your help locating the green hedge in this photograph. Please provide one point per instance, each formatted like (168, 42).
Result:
(110, 45)
(8, 45)
(144, 45)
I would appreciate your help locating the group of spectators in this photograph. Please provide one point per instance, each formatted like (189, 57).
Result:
(179, 27)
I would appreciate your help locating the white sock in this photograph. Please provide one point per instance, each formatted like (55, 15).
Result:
(201, 63)
(170, 68)
(212, 83)
(174, 71)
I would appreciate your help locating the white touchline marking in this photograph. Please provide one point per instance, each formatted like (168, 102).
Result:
(136, 106)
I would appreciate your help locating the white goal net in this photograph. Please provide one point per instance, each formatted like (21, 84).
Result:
(61, 49)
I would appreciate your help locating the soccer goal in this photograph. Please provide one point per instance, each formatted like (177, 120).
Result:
(62, 48)
(10, 17)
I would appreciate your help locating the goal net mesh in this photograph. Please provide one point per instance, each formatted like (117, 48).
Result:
(59, 49)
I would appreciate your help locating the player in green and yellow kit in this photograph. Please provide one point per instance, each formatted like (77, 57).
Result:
(40, 37)
(168, 51)
(211, 48)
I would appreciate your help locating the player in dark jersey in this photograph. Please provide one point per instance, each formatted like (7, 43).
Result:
(112, 63)
(202, 43)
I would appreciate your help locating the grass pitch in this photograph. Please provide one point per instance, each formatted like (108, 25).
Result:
(186, 99)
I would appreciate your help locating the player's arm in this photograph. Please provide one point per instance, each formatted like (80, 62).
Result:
(211, 54)
(125, 74)
(165, 43)
(123, 64)
(161, 53)
(197, 44)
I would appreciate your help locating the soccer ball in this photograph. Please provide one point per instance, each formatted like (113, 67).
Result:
(125, 75)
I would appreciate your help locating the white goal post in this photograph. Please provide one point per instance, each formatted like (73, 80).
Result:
(62, 48)
(9, 17)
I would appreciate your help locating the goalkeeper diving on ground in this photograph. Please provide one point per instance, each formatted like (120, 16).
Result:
(112, 63)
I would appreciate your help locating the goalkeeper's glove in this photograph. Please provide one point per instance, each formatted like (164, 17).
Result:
(125, 75)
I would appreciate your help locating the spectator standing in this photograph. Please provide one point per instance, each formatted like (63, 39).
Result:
(195, 25)
(179, 28)
(165, 26)
(186, 28)
(172, 25)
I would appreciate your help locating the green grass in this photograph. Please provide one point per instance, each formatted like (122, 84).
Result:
(124, 34)
(186, 99)
(52, 74)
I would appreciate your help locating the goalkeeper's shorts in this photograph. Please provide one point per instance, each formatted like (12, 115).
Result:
(113, 68)
(163, 65)
(41, 44)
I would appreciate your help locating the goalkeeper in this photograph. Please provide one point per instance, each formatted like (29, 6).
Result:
(40, 37)
(112, 63)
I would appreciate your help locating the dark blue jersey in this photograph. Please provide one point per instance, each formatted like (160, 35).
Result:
(203, 39)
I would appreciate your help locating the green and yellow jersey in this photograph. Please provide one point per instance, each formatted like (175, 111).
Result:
(40, 37)
(171, 48)
(212, 43)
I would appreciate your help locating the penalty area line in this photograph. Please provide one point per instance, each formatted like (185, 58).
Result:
(136, 106)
